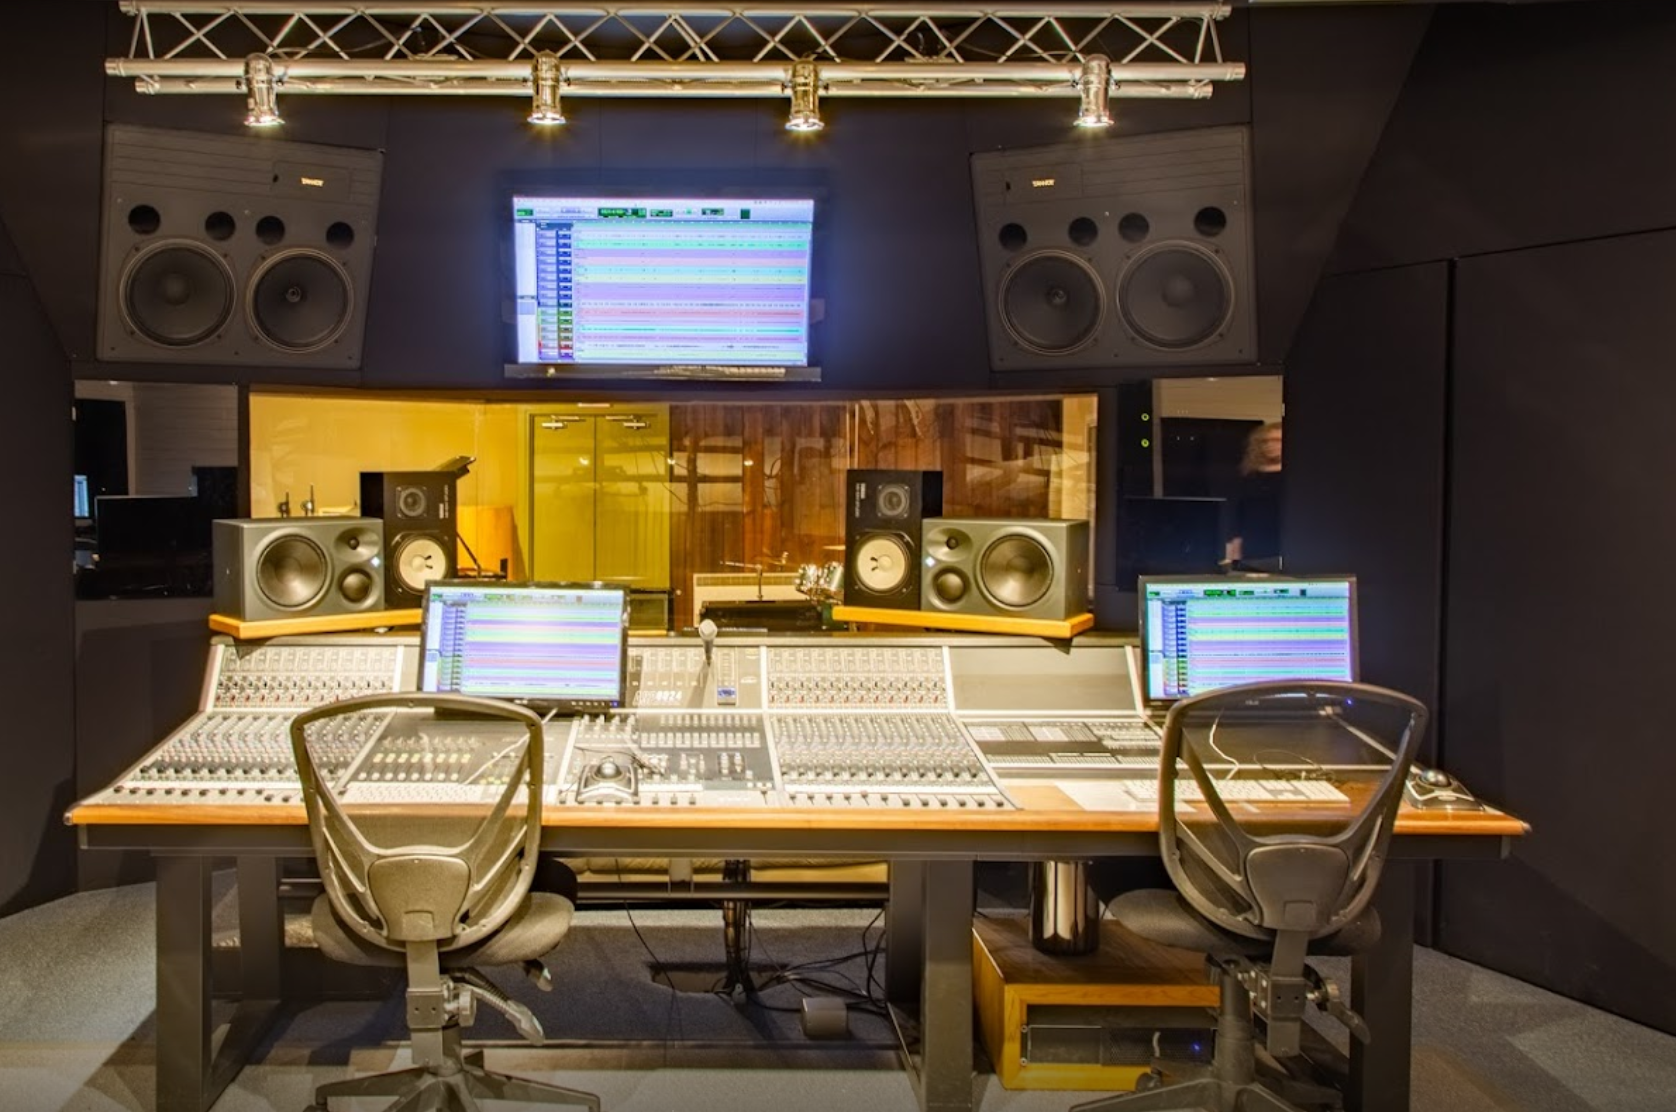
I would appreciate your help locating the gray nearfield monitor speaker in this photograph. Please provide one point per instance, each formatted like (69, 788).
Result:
(234, 250)
(292, 567)
(1126, 251)
(1022, 567)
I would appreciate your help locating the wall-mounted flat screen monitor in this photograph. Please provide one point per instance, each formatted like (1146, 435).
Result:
(683, 285)
(1202, 633)
(551, 646)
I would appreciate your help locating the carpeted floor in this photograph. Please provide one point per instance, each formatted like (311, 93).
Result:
(77, 994)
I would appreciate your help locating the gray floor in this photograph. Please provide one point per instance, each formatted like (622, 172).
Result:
(76, 1033)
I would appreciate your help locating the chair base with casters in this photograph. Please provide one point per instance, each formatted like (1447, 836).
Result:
(443, 992)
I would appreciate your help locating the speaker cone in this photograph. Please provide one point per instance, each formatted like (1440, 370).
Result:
(949, 585)
(177, 293)
(1051, 303)
(411, 501)
(300, 300)
(895, 500)
(356, 585)
(882, 563)
(1016, 571)
(419, 559)
(291, 572)
(1176, 296)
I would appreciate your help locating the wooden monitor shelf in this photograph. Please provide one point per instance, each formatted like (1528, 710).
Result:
(966, 623)
(323, 623)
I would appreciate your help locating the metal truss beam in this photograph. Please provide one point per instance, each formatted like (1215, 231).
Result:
(694, 49)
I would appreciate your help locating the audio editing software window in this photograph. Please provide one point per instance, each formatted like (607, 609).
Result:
(556, 646)
(1199, 635)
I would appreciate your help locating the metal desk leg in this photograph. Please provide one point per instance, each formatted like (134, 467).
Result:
(945, 1081)
(905, 932)
(1382, 991)
(261, 928)
(183, 984)
(191, 1071)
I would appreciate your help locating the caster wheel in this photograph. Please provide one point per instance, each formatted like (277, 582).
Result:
(1149, 1081)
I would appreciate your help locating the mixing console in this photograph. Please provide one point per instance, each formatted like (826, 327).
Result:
(1067, 747)
(237, 749)
(881, 760)
(870, 677)
(418, 759)
(717, 760)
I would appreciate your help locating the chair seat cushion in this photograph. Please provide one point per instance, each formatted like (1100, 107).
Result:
(1161, 915)
(538, 925)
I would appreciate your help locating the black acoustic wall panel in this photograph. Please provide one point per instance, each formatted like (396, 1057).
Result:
(1558, 620)
(234, 250)
(1128, 251)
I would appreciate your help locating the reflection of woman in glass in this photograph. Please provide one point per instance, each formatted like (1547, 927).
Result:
(1254, 510)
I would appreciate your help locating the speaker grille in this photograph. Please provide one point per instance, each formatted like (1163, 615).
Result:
(1052, 303)
(291, 572)
(1176, 296)
(1016, 571)
(176, 293)
(300, 300)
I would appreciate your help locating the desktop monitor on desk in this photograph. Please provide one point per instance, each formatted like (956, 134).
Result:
(1201, 633)
(551, 646)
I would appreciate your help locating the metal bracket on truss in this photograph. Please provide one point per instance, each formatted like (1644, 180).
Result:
(694, 49)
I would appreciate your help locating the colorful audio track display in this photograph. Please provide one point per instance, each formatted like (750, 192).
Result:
(662, 281)
(550, 645)
(1201, 634)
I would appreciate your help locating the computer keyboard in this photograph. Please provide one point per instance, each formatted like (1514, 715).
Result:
(1245, 791)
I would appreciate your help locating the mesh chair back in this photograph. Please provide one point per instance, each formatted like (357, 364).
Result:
(401, 867)
(1276, 801)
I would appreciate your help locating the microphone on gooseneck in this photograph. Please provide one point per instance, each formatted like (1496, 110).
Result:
(707, 633)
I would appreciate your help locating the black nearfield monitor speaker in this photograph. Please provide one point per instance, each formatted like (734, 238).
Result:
(883, 512)
(1127, 251)
(234, 250)
(292, 567)
(420, 531)
(1008, 567)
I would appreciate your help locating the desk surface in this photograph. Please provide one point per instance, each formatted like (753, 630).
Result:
(1043, 808)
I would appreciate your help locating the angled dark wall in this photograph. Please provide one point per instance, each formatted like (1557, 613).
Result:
(36, 655)
(1558, 625)
(1522, 159)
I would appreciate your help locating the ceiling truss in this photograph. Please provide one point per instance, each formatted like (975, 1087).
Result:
(694, 49)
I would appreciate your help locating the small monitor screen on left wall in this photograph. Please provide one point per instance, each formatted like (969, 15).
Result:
(84, 505)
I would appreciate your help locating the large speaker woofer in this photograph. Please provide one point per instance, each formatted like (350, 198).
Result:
(1176, 296)
(177, 293)
(1016, 571)
(291, 572)
(300, 300)
(1051, 303)
(883, 563)
(418, 560)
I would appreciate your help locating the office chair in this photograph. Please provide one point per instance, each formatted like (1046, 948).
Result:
(1256, 887)
(443, 888)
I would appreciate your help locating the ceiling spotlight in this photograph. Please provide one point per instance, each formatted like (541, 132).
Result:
(1095, 83)
(805, 98)
(261, 92)
(544, 79)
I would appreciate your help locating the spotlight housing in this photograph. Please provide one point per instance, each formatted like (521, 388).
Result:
(544, 82)
(1095, 85)
(261, 92)
(805, 98)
